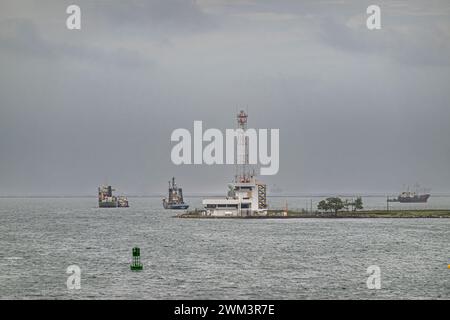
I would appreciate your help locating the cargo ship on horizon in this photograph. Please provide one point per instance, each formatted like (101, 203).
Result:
(411, 197)
(107, 200)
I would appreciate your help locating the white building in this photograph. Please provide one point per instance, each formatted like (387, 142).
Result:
(244, 199)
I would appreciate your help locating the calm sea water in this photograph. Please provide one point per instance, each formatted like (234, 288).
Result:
(215, 259)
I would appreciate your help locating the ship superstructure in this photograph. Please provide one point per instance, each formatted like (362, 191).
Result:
(175, 199)
(246, 195)
(106, 199)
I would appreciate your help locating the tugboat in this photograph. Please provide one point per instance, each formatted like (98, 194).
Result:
(107, 200)
(175, 200)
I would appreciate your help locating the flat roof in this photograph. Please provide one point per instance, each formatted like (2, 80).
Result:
(225, 201)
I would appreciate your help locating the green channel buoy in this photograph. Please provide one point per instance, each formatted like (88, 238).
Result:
(136, 264)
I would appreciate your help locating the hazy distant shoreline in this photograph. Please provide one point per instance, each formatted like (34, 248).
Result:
(349, 195)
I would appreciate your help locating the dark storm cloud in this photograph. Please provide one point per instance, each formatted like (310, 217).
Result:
(414, 32)
(179, 16)
(25, 39)
(413, 44)
(358, 111)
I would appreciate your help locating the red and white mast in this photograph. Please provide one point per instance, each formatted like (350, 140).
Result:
(242, 166)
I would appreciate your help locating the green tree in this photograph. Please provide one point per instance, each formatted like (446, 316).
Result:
(358, 204)
(331, 204)
(323, 205)
(347, 204)
(335, 204)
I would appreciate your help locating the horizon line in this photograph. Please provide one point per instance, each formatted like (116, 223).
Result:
(199, 195)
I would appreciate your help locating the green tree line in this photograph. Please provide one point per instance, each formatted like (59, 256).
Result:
(336, 204)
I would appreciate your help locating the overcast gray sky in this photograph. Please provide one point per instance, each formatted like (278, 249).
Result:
(358, 110)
